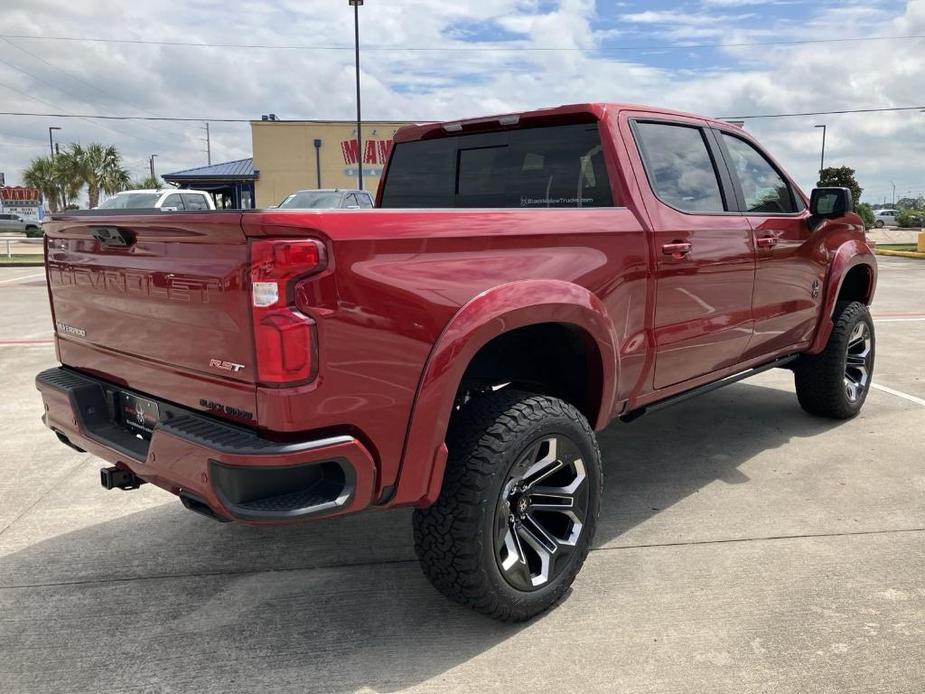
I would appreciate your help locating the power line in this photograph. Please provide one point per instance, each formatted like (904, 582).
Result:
(107, 117)
(48, 103)
(517, 48)
(826, 113)
(200, 119)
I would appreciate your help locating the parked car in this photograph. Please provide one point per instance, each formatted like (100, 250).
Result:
(532, 278)
(884, 218)
(12, 222)
(172, 200)
(327, 199)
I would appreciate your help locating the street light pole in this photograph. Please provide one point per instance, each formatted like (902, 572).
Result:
(151, 164)
(356, 4)
(822, 159)
(51, 142)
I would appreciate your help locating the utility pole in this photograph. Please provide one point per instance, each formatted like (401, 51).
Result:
(208, 145)
(151, 164)
(894, 193)
(822, 159)
(51, 141)
(356, 4)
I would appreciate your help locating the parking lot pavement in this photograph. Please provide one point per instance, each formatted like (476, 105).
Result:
(743, 546)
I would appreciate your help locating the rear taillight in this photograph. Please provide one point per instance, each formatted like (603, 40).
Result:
(284, 338)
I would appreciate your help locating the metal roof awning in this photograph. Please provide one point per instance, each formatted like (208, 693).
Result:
(229, 171)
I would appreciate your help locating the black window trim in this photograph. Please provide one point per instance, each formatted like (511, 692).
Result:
(737, 185)
(720, 168)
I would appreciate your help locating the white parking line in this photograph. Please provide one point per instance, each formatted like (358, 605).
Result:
(897, 320)
(24, 277)
(899, 394)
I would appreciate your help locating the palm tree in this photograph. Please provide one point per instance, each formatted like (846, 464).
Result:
(43, 174)
(69, 173)
(99, 167)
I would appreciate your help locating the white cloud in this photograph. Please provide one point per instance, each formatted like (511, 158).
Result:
(204, 82)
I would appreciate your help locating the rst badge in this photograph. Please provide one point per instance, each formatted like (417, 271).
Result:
(225, 365)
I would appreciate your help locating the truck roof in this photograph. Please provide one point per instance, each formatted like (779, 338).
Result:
(543, 116)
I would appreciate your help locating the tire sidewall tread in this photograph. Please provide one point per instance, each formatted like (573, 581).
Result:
(454, 537)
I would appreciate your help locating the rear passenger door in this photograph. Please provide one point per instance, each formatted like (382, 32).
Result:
(704, 256)
(789, 270)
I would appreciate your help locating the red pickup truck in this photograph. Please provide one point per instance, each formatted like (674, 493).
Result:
(525, 280)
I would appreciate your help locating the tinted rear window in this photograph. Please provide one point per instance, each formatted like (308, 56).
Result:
(561, 166)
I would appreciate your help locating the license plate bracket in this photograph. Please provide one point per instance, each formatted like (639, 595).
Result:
(138, 414)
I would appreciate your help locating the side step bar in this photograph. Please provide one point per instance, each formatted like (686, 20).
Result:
(700, 390)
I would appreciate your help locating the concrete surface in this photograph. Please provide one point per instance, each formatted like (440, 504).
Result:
(743, 547)
(893, 235)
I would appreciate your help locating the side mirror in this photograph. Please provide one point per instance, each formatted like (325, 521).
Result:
(826, 203)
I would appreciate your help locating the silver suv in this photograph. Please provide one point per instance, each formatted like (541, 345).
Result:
(10, 221)
(884, 218)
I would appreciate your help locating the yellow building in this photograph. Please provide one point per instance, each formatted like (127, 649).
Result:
(294, 155)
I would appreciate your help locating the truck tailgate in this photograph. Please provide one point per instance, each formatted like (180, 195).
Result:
(158, 303)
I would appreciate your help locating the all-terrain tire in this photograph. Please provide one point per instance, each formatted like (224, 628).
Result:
(455, 539)
(825, 383)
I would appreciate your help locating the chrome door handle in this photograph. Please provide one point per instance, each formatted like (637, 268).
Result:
(678, 249)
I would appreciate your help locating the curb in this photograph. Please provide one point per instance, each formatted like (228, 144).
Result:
(900, 254)
(27, 263)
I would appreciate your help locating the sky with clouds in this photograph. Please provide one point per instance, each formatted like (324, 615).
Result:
(425, 60)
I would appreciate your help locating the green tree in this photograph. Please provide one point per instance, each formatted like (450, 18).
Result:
(145, 183)
(866, 213)
(42, 174)
(99, 167)
(69, 174)
(911, 203)
(840, 177)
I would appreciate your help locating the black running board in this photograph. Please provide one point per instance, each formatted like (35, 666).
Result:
(700, 390)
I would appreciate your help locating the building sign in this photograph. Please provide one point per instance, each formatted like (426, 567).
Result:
(375, 155)
(26, 202)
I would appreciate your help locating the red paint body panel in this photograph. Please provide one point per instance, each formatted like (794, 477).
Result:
(408, 297)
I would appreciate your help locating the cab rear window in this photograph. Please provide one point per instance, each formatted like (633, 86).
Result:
(558, 166)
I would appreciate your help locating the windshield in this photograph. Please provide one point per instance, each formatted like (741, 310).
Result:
(132, 201)
(311, 199)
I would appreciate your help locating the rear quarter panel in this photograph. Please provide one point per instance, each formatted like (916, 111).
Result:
(398, 277)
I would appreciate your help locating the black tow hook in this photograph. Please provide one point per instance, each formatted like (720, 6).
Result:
(118, 478)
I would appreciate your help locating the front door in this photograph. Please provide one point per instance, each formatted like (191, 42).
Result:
(790, 270)
(704, 256)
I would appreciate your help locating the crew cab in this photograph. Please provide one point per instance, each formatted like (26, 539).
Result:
(524, 281)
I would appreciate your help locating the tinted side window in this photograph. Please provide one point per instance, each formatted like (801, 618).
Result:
(173, 200)
(194, 201)
(421, 174)
(680, 167)
(560, 166)
(764, 189)
(364, 200)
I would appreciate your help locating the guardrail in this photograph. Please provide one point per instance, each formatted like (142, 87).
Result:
(10, 240)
